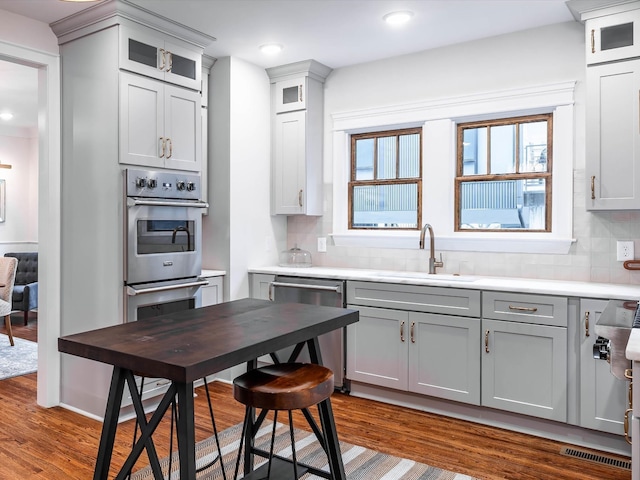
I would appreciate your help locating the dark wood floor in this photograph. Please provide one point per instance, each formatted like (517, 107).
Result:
(58, 444)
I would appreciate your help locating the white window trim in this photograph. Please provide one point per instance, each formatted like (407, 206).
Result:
(439, 118)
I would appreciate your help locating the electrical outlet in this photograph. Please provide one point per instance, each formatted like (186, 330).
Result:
(625, 250)
(322, 244)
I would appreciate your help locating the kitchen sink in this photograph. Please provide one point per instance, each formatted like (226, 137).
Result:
(442, 277)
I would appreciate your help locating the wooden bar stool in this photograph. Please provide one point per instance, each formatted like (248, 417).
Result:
(284, 386)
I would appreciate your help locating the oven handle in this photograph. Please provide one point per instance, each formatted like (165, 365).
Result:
(133, 201)
(132, 292)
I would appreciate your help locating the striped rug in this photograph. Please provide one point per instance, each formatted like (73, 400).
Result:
(360, 463)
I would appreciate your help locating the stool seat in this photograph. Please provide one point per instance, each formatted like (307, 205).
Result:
(285, 386)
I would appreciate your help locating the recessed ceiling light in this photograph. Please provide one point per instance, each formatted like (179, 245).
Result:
(271, 48)
(6, 116)
(398, 18)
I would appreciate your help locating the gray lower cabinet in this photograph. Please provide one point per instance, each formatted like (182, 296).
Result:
(603, 397)
(414, 346)
(524, 368)
(524, 360)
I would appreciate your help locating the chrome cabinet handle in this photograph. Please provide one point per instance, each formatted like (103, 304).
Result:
(593, 187)
(627, 437)
(413, 339)
(586, 324)
(164, 59)
(486, 341)
(522, 309)
(402, 332)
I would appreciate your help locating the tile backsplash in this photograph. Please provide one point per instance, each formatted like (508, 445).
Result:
(592, 257)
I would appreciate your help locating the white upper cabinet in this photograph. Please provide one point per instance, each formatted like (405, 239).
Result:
(160, 124)
(291, 95)
(144, 52)
(297, 99)
(613, 137)
(613, 37)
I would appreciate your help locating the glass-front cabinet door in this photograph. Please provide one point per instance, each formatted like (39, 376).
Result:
(613, 37)
(291, 95)
(154, 56)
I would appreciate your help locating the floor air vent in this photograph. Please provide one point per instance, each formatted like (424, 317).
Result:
(598, 458)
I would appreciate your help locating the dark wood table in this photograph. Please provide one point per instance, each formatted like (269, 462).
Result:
(187, 346)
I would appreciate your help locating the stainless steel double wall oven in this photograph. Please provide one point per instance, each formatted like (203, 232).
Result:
(163, 242)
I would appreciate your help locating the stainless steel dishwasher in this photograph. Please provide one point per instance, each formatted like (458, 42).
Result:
(318, 292)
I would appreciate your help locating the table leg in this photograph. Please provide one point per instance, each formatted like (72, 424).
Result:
(186, 431)
(248, 436)
(110, 425)
(328, 424)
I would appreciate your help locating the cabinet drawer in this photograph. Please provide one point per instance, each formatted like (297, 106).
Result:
(524, 308)
(451, 301)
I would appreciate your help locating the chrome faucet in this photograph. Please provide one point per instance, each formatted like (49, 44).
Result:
(432, 256)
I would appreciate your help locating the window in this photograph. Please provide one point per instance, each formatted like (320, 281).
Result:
(385, 188)
(503, 179)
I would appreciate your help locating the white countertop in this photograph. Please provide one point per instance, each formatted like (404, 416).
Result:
(212, 273)
(608, 291)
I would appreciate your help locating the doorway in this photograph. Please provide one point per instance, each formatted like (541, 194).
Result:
(48, 206)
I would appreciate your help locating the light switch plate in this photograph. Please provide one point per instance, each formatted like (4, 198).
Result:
(322, 244)
(624, 250)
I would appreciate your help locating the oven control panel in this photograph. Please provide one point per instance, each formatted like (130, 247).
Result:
(162, 184)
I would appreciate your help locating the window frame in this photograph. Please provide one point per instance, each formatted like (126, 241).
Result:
(547, 175)
(418, 180)
(438, 118)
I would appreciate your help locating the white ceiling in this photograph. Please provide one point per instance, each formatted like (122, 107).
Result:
(337, 33)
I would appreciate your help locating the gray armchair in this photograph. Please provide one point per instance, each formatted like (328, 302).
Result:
(25, 289)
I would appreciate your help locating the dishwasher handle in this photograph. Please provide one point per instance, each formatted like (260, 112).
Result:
(306, 286)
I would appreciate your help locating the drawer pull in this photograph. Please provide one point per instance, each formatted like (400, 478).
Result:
(402, 332)
(523, 309)
(627, 437)
(586, 324)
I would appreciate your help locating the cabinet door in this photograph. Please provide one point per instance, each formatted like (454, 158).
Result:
(524, 368)
(259, 287)
(613, 37)
(603, 397)
(150, 54)
(377, 347)
(444, 356)
(212, 293)
(182, 129)
(141, 121)
(289, 163)
(613, 139)
(291, 95)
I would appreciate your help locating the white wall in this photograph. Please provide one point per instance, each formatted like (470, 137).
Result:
(534, 57)
(26, 32)
(239, 231)
(19, 231)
